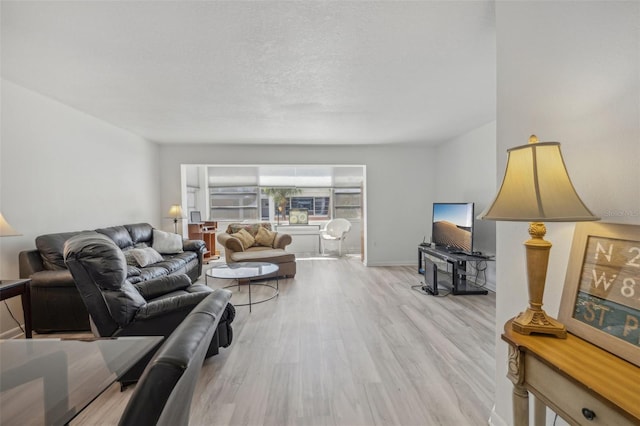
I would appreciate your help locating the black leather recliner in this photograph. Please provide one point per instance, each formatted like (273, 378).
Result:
(164, 393)
(149, 308)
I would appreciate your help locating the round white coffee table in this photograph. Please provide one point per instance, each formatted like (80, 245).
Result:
(243, 273)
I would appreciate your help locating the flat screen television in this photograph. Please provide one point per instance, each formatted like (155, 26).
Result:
(452, 227)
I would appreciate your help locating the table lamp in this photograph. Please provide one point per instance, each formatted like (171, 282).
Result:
(5, 229)
(175, 213)
(536, 188)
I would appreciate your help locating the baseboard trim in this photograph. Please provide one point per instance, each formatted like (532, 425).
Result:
(14, 333)
(394, 263)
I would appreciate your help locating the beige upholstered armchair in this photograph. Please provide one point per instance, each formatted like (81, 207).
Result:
(256, 242)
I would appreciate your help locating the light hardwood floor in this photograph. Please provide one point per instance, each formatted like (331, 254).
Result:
(344, 344)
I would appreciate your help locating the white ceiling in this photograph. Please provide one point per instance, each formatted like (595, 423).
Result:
(304, 72)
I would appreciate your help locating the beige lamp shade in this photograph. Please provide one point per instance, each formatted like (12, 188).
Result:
(5, 229)
(175, 212)
(537, 188)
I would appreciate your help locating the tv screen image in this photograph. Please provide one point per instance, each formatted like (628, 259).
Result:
(453, 226)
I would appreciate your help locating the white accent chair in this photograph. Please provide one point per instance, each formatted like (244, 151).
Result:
(335, 230)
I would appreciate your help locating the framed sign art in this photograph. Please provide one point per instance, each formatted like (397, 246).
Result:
(601, 297)
(299, 216)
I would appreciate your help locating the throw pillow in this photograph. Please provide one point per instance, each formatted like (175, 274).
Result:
(264, 237)
(245, 238)
(146, 256)
(166, 242)
(129, 257)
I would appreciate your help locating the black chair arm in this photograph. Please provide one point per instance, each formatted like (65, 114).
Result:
(60, 278)
(162, 307)
(194, 245)
(160, 286)
(29, 262)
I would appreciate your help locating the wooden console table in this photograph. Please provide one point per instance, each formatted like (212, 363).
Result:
(584, 384)
(205, 231)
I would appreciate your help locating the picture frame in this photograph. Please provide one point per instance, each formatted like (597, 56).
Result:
(601, 296)
(194, 217)
(299, 216)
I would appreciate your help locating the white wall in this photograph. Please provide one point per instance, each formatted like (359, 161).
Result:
(466, 172)
(568, 72)
(399, 188)
(63, 170)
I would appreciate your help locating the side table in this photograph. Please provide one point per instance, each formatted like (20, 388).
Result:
(12, 288)
(583, 383)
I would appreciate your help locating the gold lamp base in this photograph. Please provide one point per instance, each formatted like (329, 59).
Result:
(531, 321)
(534, 319)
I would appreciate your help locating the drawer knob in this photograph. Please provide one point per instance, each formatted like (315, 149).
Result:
(588, 414)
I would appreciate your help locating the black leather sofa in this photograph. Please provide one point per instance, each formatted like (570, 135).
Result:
(55, 302)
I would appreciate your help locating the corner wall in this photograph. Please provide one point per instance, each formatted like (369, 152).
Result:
(64, 170)
(398, 191)
(567, 72)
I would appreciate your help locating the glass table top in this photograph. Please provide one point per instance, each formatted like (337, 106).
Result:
(242, 270)
(49, 381)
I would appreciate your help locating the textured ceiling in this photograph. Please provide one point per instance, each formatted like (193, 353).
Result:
(305, 72)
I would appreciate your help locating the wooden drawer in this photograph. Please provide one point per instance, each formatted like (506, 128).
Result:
(568, 398)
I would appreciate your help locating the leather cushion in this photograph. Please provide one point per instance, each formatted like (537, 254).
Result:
(118, 235)
(124, 303)
(51, 248)
(162, 286)
(132, 271)
(152, 272)
(140, 232)
(170, 264)
(186, 256)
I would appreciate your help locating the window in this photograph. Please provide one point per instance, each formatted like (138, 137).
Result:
(317, 206)
(248, 203)
(264, 209)
(346, 202)
(234, 203)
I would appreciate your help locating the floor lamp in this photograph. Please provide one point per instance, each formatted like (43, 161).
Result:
(536, 188)
(175, 213)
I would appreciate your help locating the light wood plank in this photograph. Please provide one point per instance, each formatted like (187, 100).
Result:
(346, 344)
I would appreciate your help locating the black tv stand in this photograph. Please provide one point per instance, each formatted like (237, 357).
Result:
(458, 263)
